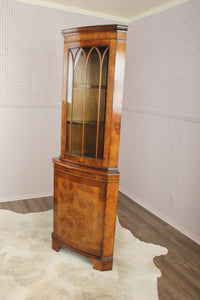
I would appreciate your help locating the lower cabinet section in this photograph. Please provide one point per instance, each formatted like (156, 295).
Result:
(85, 206)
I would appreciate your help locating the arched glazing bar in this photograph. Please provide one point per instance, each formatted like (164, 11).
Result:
(92, 82)
(84, 95)
(89, 79)
(74, 124)
(70, 90)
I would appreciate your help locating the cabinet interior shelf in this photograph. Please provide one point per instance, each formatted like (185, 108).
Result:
(90, 86)
(90, 123)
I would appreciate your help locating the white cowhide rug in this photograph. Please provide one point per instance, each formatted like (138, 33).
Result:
(31, 270)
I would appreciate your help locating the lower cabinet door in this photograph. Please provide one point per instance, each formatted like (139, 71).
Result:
(79, 208)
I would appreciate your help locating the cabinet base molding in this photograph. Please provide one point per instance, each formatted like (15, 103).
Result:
(101, 264)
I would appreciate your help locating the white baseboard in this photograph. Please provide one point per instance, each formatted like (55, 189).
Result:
(25, 196)
(165, 218)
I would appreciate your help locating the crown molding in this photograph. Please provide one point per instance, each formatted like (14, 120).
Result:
(156, 10)
(91, 13)
(76, 10)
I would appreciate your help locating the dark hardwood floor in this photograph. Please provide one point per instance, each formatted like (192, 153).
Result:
(180, 268)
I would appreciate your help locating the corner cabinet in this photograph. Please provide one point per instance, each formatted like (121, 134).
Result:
(86, 177)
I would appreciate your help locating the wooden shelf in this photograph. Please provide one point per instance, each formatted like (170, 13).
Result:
(89, 123)
(90, 86)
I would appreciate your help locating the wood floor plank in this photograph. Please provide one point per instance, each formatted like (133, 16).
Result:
(180, 268)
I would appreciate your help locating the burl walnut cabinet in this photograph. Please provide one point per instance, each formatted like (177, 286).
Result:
(86, 177)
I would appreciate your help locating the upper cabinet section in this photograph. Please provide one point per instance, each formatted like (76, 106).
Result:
(89, 74)
(86, 101)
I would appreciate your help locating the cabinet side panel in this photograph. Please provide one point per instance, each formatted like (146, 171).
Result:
(110, 219)
(117, 103)
(79, 212)
(109, 101)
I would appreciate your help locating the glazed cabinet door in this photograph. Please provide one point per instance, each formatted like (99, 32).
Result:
(86, 103)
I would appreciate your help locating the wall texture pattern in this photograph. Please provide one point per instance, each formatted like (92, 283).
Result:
(165, 50)
(160, 138)
(31, 55)
(31, 52)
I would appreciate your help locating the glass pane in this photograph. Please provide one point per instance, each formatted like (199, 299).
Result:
(77, 107)
(75, 95)
(91, 103)
(90, 139)
(69, 99)
(93, 68)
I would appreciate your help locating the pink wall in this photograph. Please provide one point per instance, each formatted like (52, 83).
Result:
(31, 54)
(160, 138)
